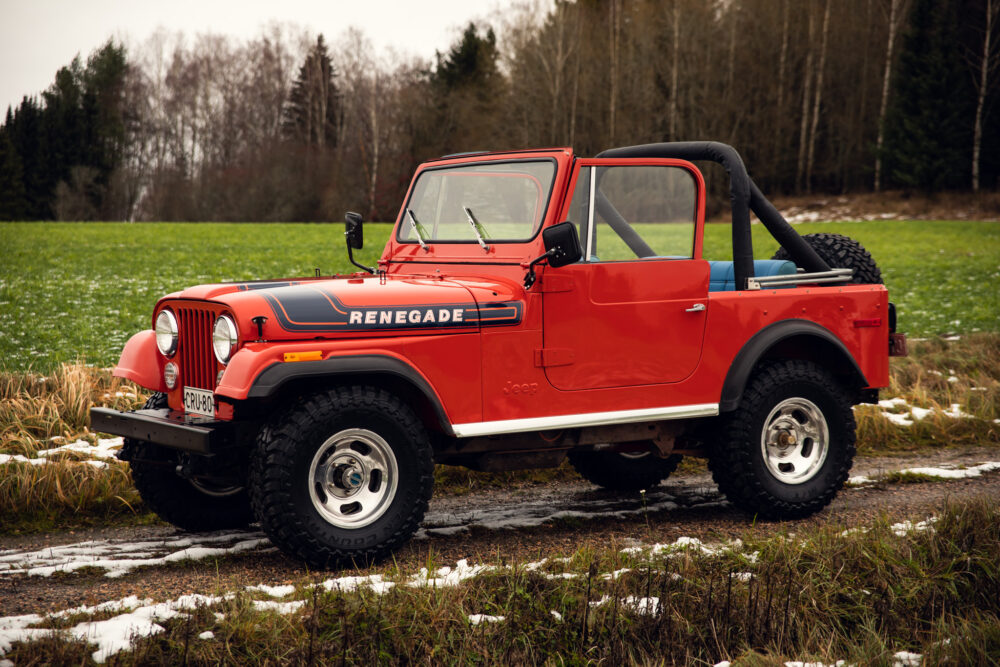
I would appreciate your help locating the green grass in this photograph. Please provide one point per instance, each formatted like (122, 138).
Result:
(72, 291)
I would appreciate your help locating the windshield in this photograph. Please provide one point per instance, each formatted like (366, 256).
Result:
(478, 203)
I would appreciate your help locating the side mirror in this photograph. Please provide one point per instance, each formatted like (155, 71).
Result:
(355, 238)
(562, 247)
(353, 230)
(562, 244)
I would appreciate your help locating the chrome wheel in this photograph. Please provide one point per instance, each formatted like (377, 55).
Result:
(353, 478)
(795, 440)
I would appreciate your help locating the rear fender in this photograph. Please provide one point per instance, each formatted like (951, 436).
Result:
(785, 336)
(141, 362)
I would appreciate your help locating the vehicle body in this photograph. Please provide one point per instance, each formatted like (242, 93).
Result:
(490, 336)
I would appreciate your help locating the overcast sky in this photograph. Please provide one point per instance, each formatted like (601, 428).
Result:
(37, 37)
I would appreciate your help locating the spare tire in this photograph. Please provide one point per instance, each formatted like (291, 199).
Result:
(841, 252)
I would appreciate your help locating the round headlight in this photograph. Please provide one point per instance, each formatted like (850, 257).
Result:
(224, 338)
(166, 332)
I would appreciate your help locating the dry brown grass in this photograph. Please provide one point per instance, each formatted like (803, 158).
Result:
(41, 412)
(937, 375)
(35, 408)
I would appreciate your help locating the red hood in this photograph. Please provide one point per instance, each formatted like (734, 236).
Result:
(307, 308)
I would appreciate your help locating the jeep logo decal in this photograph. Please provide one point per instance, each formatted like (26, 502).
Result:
(307, 308)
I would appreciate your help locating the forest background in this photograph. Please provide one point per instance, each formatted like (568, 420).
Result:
(830, 96)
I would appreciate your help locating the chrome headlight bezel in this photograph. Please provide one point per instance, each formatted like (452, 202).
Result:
(165, 327)
(224, 338)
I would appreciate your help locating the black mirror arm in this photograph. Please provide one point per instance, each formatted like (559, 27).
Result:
(530, 277)
(350, 256)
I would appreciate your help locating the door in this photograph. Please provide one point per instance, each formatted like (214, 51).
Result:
(633, 311)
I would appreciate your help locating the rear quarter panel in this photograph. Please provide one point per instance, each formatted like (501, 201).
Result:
(734, 317)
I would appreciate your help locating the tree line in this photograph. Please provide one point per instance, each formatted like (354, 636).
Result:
(822, 95)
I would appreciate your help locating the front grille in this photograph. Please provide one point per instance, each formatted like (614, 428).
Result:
(194, 347)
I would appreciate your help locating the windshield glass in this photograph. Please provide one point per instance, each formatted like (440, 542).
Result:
(479, 203)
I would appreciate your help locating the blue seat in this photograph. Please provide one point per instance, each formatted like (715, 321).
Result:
(721, 276)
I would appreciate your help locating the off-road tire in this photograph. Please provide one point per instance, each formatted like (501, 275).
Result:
(175, 499)
(618, 472)
(284, 463)
(738, 461)
(842, 252)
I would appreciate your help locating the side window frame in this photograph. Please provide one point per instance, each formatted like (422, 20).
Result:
(589, 167)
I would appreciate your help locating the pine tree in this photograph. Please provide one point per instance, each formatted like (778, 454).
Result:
(102, 108)
(13, 203)
(469, 88)
(928, 133)
(312, 110)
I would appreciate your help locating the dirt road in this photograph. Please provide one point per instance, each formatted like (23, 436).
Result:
(44, 573)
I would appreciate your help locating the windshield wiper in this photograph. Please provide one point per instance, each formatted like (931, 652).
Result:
(476, 227)
(415, 226)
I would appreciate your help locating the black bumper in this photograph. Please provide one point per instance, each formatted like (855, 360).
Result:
(171, 429)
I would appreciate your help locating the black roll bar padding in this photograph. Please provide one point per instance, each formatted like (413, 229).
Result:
(786, 236)
(739, 189)
(743, 195)
(621, 227)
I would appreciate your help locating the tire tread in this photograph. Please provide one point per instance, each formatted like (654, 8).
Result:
(731, 461)
(272, 473)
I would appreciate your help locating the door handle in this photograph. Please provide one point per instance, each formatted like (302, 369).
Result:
(696, 308)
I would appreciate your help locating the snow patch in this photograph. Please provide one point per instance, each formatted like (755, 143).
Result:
(914, 414)
(476, 619)
(273, 591)
(938, 472)
(613, 576)
(120, 556)
(110, 635)
(445, 577)
(374, 582)
(907, 659)
(283, 608)
(105, 449)
(906, 527)
(208, 634)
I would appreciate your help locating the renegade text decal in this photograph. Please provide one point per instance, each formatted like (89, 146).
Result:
(307, 308)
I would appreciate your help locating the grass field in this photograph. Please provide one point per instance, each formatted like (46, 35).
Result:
(77, 291)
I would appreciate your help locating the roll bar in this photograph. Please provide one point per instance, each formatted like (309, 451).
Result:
(744, 196)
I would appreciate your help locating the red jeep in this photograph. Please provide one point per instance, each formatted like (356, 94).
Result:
(493, 335)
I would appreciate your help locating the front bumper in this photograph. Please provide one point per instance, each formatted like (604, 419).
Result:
(172, 429)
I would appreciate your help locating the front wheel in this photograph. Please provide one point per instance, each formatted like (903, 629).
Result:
(192, 504)
(344, 476)
(786, 450)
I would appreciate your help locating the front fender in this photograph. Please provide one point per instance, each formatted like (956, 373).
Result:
(141, 362)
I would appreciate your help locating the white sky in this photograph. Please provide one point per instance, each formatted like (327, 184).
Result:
(37, 37)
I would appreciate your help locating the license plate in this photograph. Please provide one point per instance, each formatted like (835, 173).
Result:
(199, 401)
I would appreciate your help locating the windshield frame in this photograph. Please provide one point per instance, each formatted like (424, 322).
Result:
(547, 196)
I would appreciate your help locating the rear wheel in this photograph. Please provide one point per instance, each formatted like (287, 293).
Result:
(623, 471)
(787, 449)
(842, 252)
(343, 476)
(191, 504)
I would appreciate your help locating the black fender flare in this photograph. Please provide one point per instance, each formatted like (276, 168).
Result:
(271, 379)
(765, 339)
